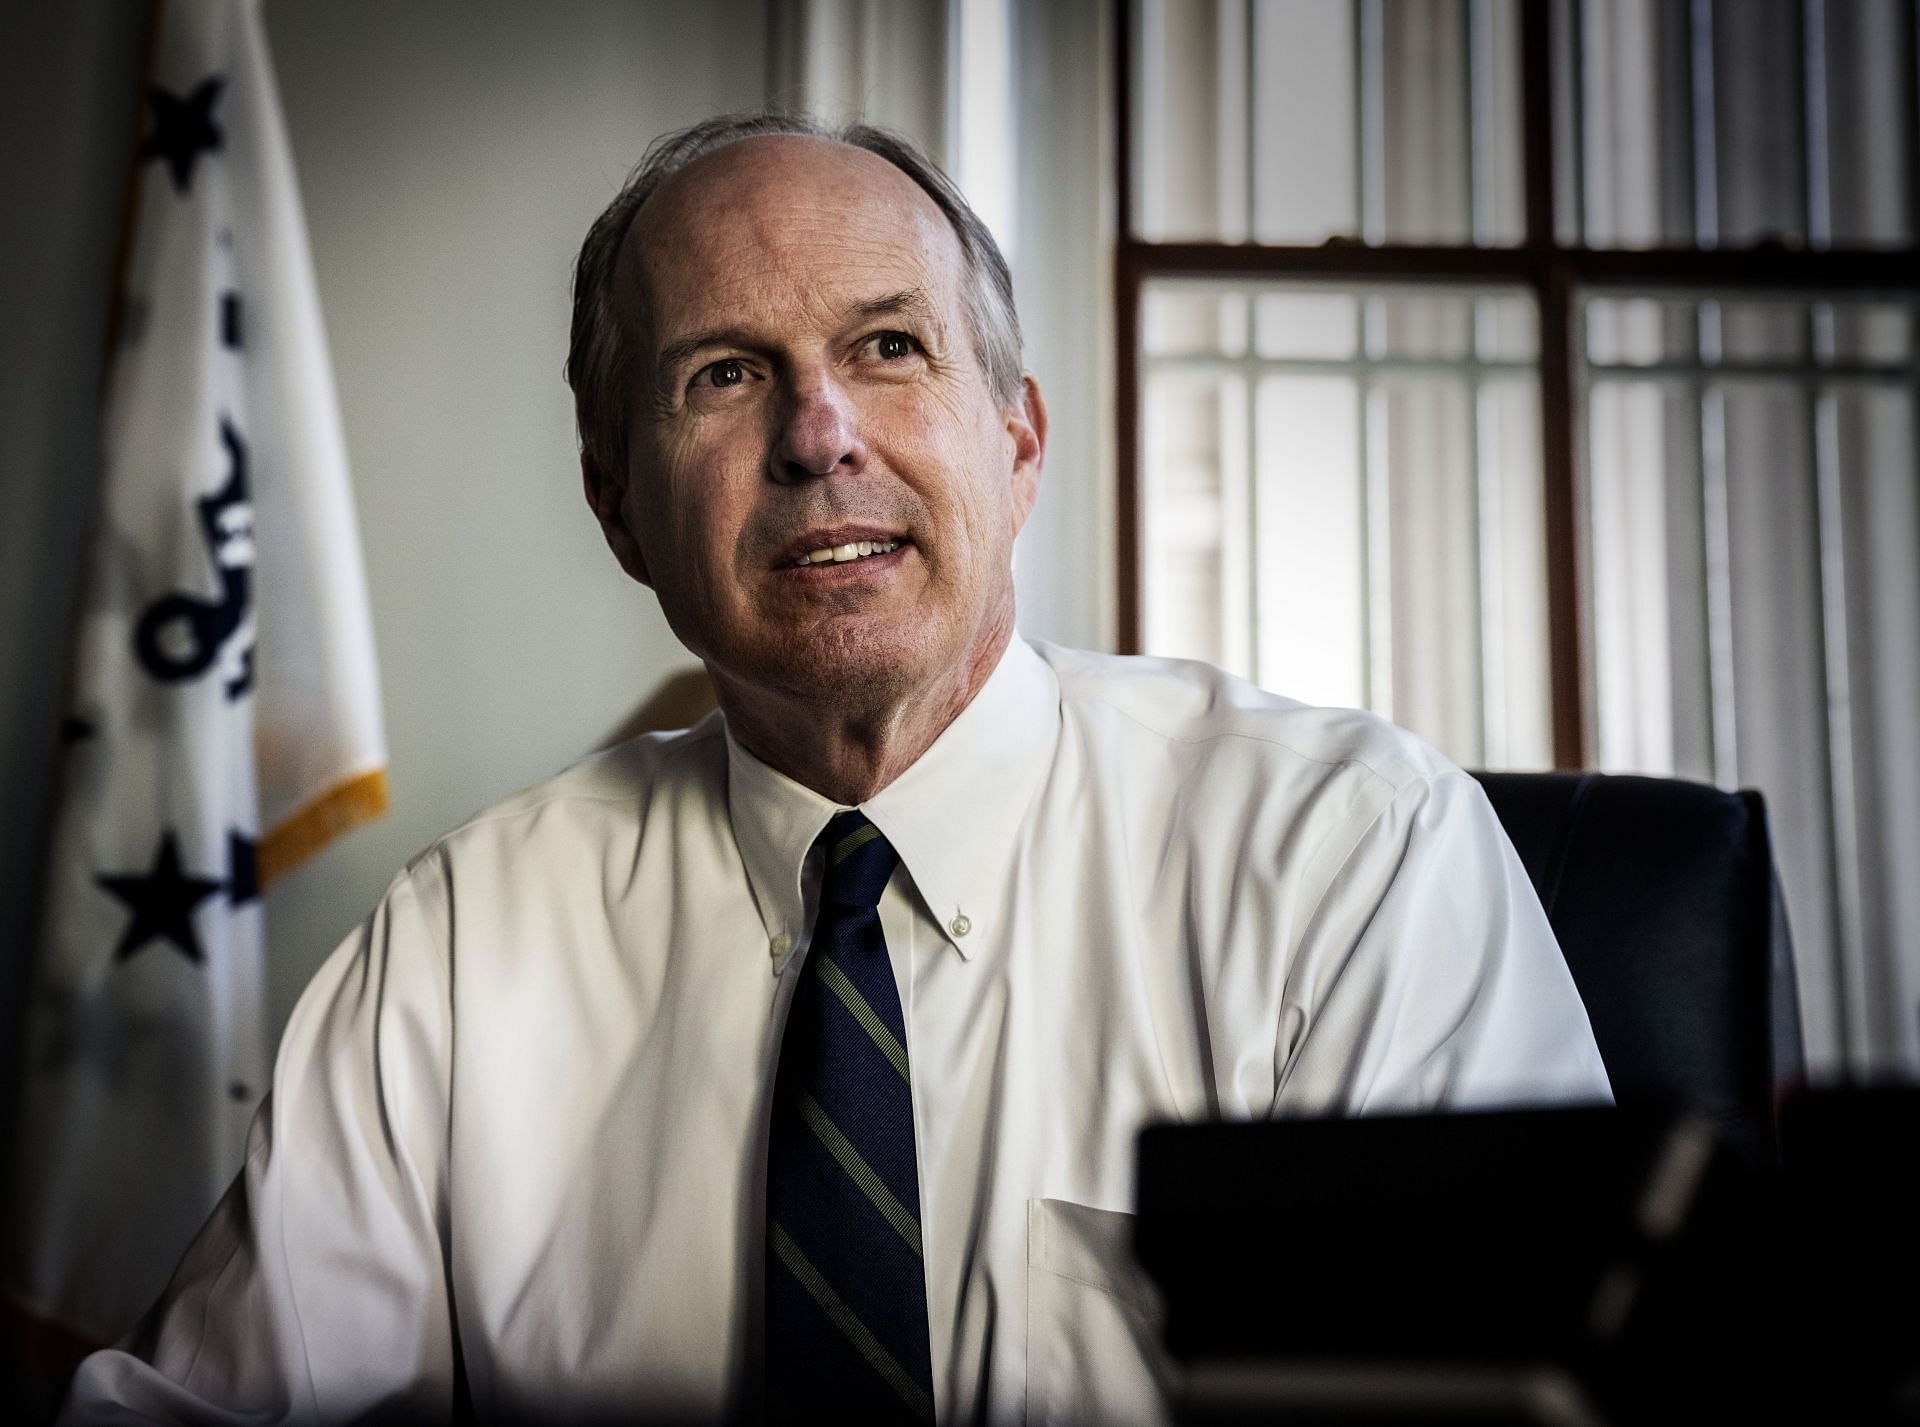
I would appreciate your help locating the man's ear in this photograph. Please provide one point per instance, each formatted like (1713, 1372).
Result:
(607, 498)
(1027, 425)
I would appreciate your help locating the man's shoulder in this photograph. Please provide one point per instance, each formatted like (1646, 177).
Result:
(1196, 713)
(611, 791)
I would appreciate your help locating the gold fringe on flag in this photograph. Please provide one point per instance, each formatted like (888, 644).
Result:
(340, 809)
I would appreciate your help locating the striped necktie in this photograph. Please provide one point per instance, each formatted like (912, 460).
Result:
(846, 1287)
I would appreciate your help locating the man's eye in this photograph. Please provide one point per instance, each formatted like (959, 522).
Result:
(727, 373)
(892, 346)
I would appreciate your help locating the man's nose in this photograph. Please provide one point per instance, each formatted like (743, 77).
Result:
(820, 430)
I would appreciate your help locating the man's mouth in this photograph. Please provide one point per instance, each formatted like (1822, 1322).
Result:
(849, 551)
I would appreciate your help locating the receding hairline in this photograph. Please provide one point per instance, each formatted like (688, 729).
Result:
(629, 269)
(751, 145)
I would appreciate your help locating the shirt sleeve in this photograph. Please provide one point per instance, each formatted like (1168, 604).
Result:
(316, 1291)
(1428, 978)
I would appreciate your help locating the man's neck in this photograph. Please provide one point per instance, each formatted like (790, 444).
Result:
(849, 754)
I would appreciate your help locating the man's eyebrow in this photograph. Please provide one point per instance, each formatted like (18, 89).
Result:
(909, 302)
(683, 349)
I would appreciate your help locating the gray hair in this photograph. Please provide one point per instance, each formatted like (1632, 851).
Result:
(601, 360)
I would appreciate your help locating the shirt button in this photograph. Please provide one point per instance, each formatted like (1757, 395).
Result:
(778, 945)
(960, 925)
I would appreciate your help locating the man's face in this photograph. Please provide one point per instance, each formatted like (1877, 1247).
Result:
(809, 382)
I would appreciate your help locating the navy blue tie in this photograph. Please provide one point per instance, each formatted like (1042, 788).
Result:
(846, 1284)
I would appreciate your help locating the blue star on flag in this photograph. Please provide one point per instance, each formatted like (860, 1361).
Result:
(183, 129)
(162, 902)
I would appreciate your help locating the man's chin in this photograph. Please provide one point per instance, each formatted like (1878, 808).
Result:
(843, 663)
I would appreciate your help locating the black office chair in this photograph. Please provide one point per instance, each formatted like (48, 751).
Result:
(1664, 899)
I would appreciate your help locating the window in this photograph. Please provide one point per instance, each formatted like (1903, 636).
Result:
(1541, 374)
(1346, 500)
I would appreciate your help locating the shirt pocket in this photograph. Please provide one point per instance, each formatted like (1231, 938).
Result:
(1093, 1321)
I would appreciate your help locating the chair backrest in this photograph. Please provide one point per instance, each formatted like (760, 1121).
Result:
(1663, 896)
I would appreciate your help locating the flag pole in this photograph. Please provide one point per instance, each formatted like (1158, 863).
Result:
(37, 1343)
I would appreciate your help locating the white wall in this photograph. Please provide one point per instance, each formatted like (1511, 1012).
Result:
(451, 158)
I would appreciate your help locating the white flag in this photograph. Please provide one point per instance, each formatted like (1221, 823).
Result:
(224, 718)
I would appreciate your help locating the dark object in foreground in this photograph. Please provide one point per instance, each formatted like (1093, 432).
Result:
(1849, 1204)
(1577, 1267)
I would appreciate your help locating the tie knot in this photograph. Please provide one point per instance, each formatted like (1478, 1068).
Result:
(859, 862)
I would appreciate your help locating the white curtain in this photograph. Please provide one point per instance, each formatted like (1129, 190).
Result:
(1755, 542)
(881, 61)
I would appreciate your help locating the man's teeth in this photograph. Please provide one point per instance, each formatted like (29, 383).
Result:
(853, 550)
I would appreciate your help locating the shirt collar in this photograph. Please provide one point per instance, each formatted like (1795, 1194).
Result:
(952, 816)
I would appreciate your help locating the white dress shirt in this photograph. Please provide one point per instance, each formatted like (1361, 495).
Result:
(524, 1108)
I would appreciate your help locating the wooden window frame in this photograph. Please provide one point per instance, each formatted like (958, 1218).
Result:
(1557, 274)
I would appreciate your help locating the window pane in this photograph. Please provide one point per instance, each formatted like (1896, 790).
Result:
(1293, 121)
(1191, 322)
(1736, 121)
(1870, 120)
(1760, 333)
(1754, 552)
(1312, 520)
(1635, 123)
(1191, 130)
(1745, 332)
(1421, 327)
(1776, 658)
(1513, 576)
(1424, 117)
(1307, 324)
(1879, 505)
(1506, 329)
(1350, 528)
(1305, 145)
(1426, 426)
(1449, 327)
(1758, 185)
(1649, 611)
(1640, 332)
(1875, 334)
(1194, 483)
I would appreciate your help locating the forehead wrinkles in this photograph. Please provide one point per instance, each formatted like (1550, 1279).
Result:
(716, 248)
(811, 285)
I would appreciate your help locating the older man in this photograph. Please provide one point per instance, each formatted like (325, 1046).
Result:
(795, 1060)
